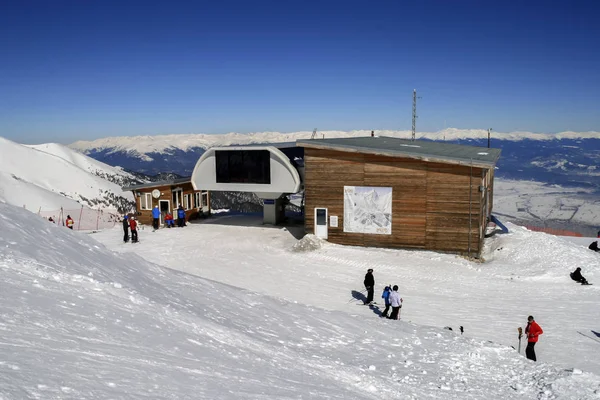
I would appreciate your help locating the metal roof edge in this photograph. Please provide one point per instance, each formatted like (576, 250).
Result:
(394, 153)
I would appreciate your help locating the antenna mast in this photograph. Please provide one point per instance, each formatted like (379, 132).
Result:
(414, 116)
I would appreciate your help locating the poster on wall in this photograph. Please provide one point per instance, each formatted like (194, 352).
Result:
(368, 209)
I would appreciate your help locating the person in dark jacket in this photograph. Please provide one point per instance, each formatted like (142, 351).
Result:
(533, 331)
(594, 246)
(180, 216)
(369, 285)
(577, 277)
(125, 229)
(386, 298)
(155, 217)
(133, 227)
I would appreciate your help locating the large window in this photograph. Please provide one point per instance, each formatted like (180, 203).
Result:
(187, 201)
(145, 201)
(243, 166)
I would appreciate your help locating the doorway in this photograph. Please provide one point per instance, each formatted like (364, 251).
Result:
(321, 223)
(164, 207)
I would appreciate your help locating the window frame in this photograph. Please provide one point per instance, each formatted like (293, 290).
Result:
(148, 199)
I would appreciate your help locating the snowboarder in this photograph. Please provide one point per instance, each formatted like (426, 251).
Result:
(386, 298)
(155, 217)
(125, 229)
(69, 222)
(369, 283)
(133, 226)
(533, 331)
(396, 303)
(577, 277)
(51, 220)
(169, 220)
(180, 216)
(594, 246)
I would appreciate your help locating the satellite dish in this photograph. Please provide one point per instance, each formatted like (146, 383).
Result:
(156, 193)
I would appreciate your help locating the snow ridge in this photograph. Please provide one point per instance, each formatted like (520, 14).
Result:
(140, 145)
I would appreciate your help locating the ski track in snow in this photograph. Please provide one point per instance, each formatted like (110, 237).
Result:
(78, 321)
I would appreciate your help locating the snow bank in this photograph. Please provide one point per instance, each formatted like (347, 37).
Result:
(79, 321)
(309, 243)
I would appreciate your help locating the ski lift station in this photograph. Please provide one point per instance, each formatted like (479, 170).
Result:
(367, 191)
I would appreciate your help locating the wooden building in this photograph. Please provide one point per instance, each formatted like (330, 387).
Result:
(168, 195)
(388, 192)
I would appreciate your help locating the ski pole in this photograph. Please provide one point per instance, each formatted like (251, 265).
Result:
(520, 336)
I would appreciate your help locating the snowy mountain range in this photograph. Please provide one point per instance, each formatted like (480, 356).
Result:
(50, 176)
(566, 158)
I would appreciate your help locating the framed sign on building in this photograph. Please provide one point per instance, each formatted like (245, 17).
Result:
(368, 209)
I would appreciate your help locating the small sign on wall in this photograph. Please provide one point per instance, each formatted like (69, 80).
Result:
(333, 221)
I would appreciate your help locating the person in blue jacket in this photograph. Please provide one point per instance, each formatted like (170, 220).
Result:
(155, 217)
(386, 297)
(180, 216)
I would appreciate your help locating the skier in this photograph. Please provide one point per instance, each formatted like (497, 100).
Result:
(369, 283)
(594, 246)
(155, 217)
(169, 220)
(51, 219)
(386, 298)
(533, 331)
(133, 226)
(577, 277)
(69, 222)
(125, 229)
(396, 303)
(180, 216)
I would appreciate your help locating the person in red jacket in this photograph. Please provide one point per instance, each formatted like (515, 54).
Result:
(69, 222)
(133, 227)
(533, 331)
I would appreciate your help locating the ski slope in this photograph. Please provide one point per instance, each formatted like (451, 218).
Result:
(524, 273)
(79, 321)
(51, 176)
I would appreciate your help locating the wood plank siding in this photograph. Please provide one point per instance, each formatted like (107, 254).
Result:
(435, 206)
(166, 193)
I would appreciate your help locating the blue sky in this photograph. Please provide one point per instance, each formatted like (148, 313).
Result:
(86, 69)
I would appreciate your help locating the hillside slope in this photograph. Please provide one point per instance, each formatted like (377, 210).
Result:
(78, 321)
(52, 176)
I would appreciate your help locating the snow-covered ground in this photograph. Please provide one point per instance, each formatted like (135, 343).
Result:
(79, 321)
(51, 176)
(539, 202)
(524, 273)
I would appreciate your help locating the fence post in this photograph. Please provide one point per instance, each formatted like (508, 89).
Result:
(60, 217)
(97, 218)
(80, 215)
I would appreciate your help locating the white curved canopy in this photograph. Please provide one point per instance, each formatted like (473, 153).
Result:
(284, 178)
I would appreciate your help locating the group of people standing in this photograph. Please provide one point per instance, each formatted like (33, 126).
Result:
(168, 218)
(390, 296)
(392, 299)
(130, 223)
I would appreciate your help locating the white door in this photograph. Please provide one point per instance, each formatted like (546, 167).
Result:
(321, 223)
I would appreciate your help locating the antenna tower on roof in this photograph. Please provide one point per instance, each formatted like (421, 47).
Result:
(414, 114)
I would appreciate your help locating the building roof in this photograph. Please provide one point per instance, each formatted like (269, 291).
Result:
(157, 184)
(417, 149)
